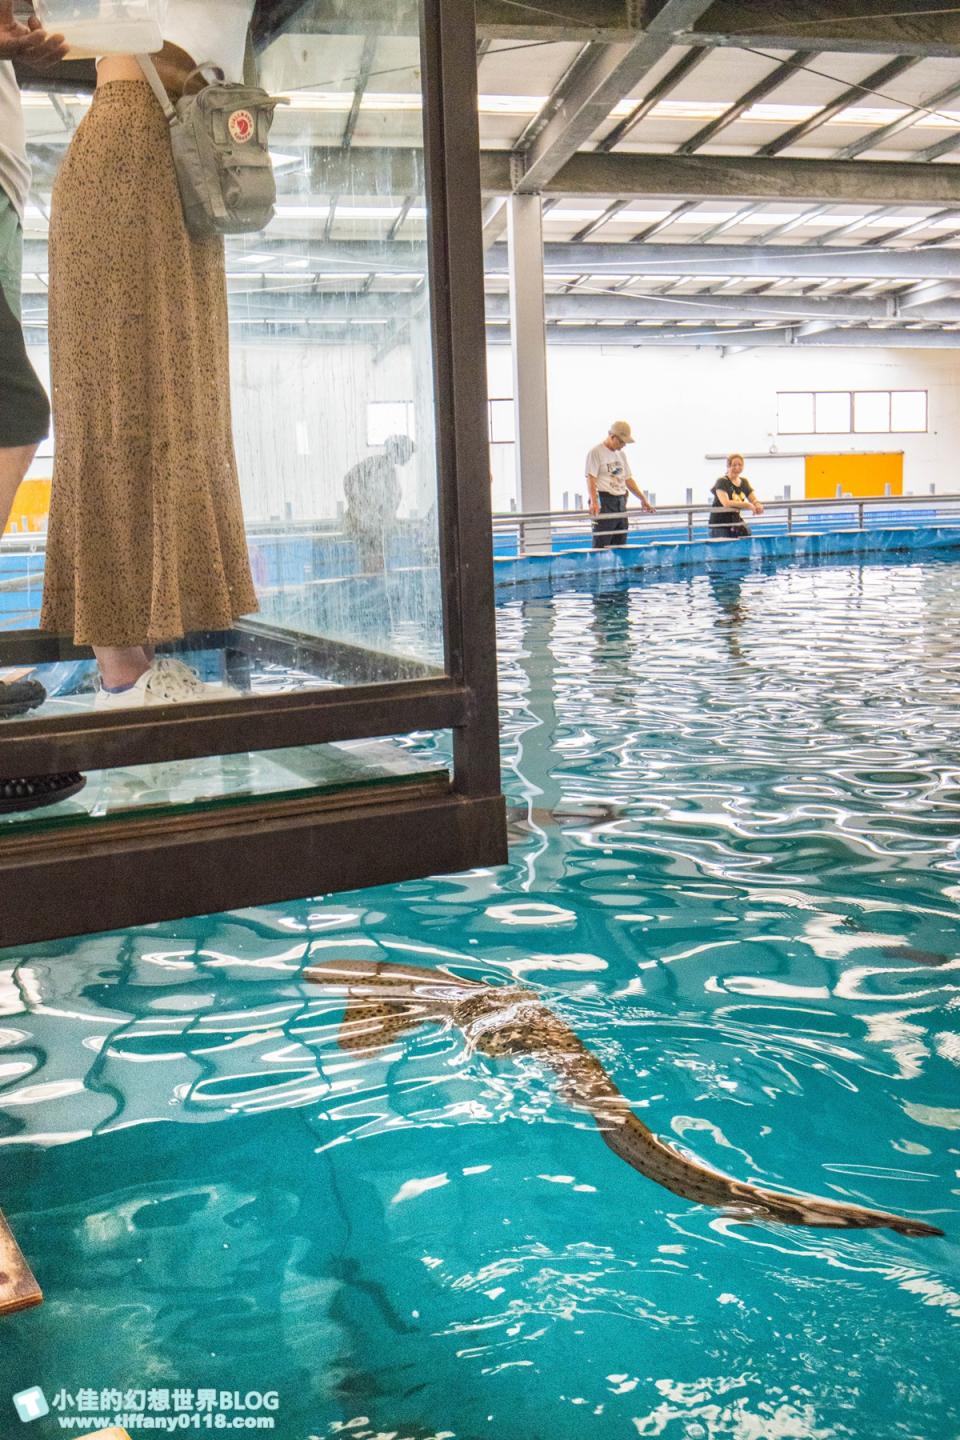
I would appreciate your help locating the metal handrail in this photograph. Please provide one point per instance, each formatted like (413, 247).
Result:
(34, 542)
(503, 519)
(535, 530)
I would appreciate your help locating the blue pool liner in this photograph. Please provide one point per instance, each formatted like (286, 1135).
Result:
(665, 555)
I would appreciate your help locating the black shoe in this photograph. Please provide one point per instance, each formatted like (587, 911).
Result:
(19, 696)
(30, 792)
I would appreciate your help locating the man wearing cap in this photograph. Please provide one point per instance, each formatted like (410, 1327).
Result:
(609, 477)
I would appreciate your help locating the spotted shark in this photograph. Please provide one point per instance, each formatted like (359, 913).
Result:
(385, 1002)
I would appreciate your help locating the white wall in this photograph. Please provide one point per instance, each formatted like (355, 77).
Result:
(686, 403)
(300, 422)
(300, 416)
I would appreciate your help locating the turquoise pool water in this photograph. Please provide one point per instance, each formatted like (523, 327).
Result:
(735, 804)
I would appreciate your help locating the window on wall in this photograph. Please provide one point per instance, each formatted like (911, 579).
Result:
(502, 418)
(503, 422)
(390, 417)
(851, 412)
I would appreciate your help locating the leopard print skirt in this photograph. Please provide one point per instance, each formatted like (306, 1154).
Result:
(146, 539)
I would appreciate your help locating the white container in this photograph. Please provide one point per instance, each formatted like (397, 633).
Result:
(105, 27)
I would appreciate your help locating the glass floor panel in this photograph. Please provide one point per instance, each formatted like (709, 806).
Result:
(183, 785)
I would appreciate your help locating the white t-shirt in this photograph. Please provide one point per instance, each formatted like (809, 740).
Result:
(612, 469)
(211, 30)
(14, 167)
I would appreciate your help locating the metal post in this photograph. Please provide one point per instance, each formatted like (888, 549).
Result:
(529, 340)
(689, 523)
(860, 514)
(789, 519)
(448, 41)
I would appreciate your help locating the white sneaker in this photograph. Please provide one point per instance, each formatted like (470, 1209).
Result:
(167, 682)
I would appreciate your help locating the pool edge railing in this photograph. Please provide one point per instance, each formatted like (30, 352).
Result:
(535, 531)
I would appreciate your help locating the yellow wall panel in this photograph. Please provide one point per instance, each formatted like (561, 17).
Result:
(31, 505)
(856, 475)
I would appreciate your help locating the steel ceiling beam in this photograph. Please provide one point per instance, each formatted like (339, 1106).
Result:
(293, 329)
(723, 339)
(903, 232)
(840, 102)
(771, 24)
(788, 226)
(398, 171)
(794, 308)
(745, 178)
(611, 212)
(346, 140)
(733, 113)
(757, 261)
(732, 221)
(848, 226)
(941, 148)
(879, 136)
(934, 304)
(719, 262)
(929, 295)
(691, 59)
(602, 76)
(657, 227)
(928, 28)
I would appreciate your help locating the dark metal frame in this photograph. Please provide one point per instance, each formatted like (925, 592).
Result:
(112, 873)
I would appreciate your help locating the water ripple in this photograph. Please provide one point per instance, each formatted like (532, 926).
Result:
(735, 808)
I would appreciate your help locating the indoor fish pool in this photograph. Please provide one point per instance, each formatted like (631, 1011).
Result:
(734, 803)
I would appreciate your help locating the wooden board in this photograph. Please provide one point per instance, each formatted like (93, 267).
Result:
(18, 1287)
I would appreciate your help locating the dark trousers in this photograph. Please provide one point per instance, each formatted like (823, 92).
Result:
(24, 409)
(610, 527)
(737, 531)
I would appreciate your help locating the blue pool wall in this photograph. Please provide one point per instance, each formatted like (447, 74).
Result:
(667, 555)
(289, 569)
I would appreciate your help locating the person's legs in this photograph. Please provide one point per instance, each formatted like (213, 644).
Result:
(121, 667)
(609, 528)
(24, 410)
(619, 529)
(24, 416)
(15, 461)
(24, 422)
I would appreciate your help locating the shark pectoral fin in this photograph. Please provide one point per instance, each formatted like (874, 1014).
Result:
(372, 1025)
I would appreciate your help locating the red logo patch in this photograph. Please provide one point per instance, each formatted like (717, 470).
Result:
(241, 126)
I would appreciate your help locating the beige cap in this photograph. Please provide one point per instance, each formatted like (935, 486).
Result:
(622, 430)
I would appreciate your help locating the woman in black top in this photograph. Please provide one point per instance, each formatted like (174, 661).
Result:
(731, 494)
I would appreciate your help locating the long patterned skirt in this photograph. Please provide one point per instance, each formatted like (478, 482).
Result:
(146, 540)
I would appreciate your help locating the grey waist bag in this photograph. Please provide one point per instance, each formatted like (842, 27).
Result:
(220, 151)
